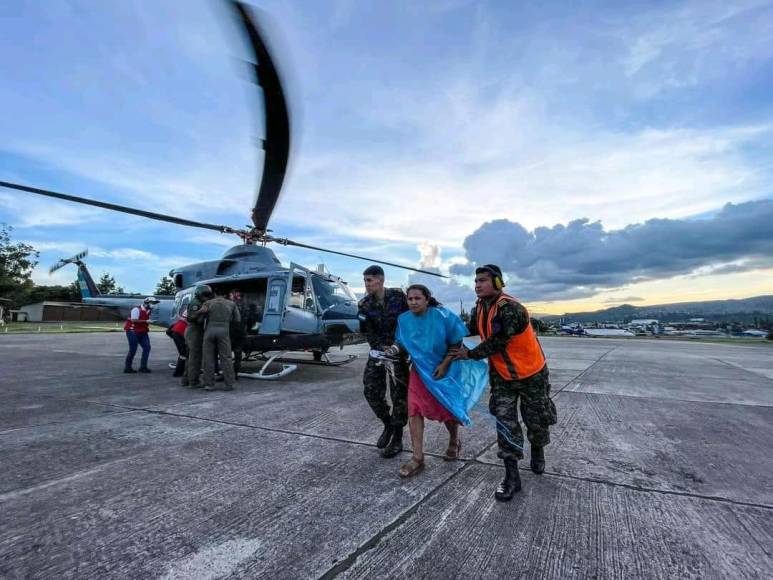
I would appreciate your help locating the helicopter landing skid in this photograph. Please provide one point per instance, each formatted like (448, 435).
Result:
(325, 361)
(262, 375)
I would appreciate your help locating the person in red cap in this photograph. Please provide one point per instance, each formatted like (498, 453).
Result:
(137, 329)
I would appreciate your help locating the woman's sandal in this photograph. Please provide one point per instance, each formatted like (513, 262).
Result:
(411, 468)
(453, 451)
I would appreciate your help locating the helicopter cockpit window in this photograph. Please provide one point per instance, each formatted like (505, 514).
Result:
(301, 295)
(331, 292)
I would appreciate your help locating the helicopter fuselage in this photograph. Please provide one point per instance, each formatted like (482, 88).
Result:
(282, 308)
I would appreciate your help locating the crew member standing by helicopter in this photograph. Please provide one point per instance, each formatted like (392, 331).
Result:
(194, 335)
(136, 329)
(221, 314)
(378, 313)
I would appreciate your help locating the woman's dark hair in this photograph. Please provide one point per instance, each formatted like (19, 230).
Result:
(427, 294)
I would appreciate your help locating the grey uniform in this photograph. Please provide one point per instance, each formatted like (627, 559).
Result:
(194, 335)
(221, 313)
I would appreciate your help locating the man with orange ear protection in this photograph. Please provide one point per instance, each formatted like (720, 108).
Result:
(517, 370)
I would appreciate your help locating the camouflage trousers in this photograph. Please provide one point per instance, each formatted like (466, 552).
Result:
(537, 410)
(375, 383)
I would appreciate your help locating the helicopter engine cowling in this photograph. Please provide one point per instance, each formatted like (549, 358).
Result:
(242, 259)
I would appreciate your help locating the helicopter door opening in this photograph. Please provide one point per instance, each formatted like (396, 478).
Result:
(301, 314)
(253, 301)
(276, 296)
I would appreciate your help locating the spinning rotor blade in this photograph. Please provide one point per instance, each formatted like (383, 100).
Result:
(287, 242)
(276, 143)
(73, 260)
(121, 208)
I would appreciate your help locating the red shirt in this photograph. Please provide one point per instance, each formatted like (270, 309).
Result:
(179, 326)
(140, 326)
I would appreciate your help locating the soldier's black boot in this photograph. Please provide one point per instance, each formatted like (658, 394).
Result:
(538, 459)
(179, 369)
(511, 484)
(395, 444)
(386, 435)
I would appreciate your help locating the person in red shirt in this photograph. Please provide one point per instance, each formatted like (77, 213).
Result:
(136, 329)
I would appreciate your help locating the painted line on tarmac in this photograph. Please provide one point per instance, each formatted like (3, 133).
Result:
(74, 477)
(63, 351)
(55, 423)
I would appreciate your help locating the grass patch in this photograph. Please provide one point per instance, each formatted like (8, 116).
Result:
(64, 327)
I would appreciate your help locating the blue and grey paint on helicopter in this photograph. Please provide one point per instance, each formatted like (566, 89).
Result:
(283, 308)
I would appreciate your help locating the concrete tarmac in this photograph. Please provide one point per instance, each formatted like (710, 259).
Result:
(661, 466)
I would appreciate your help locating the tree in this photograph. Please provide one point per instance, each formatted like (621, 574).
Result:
(108, 285)
(16, 264)
(166, 287)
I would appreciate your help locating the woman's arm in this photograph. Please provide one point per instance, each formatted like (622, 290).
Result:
(441, 370)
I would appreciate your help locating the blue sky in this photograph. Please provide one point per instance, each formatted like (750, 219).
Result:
(414, 125)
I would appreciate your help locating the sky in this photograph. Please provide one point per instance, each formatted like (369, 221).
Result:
(600, 152)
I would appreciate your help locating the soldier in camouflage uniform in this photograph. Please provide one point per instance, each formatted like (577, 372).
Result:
(378, 313)
(194, 336)
(517, 370)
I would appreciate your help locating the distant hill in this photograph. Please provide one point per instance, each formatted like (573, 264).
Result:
(744, 310)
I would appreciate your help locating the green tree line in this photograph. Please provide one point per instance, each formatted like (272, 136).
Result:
(18, 260)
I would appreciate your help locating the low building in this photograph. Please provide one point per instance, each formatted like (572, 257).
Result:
(67, 312)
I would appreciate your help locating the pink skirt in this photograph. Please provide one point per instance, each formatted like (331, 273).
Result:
(422, 403)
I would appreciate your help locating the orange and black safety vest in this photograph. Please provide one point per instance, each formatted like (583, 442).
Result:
(523, 356)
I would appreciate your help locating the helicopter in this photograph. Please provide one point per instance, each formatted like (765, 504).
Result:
(286, 309)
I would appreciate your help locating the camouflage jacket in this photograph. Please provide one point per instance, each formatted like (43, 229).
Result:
(512, 318)
(378, 320)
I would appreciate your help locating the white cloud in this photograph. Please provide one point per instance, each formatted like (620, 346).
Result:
(682, 45)
(430, 255)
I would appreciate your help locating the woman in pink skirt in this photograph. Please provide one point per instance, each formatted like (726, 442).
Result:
(427, 332)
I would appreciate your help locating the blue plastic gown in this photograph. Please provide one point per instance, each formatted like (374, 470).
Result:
(427, 338)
